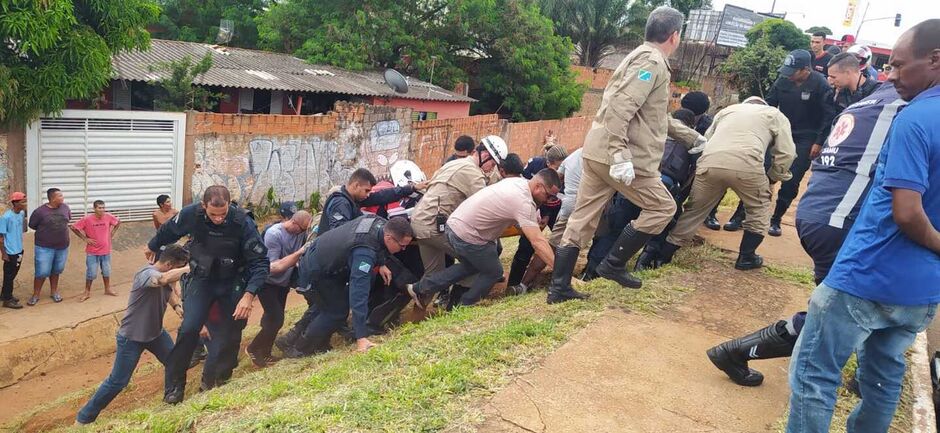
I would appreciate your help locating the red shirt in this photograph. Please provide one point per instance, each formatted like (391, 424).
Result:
(98, 229)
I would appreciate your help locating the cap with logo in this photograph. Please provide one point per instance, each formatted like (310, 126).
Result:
(288, 209)
(796, 60)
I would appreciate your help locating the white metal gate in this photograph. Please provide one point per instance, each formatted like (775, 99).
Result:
(125, 158)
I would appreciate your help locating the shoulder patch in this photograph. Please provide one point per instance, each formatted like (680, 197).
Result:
(365, 267)
(644, 75)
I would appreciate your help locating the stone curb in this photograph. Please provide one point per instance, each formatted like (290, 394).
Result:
(923, 414)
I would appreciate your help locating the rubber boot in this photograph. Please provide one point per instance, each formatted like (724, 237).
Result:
(747, 257)
(614, 266)
(737, 219)
(732, 356)
(560, 289)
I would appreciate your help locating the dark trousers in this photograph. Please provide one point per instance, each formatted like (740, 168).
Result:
(126, 357)
(822, 242)
(198, 298)
(387, 302)
(479, 260)
(619, 213)
(790, 189)
(329, 300)
(273, 300)
(11, 267)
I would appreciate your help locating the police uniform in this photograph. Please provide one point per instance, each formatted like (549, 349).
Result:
(738, 141)
(450, 186)
(336, 272)
(810, 112)
(226, 260)
(340, 207)
(631, 125)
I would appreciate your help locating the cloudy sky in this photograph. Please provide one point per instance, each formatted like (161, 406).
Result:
(829, 13)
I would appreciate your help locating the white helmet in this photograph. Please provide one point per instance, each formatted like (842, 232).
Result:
(404, 172)
(863, 54)
(496, 147)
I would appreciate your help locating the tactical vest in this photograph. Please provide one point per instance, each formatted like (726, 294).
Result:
(330, 253)
(215, 251)
(339, 194)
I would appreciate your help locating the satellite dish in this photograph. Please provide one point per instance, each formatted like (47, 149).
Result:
(226, 31)
(396, 81)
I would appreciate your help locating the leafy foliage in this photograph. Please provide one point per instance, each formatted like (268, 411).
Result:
(179, 93)
(55, 50)
(823, 29)
(198, 20)
(598, 27)
(779, 33)
(522, 65)
(752, 70)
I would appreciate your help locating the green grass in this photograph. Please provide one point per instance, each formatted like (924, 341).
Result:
(422, 377)
(800, 276)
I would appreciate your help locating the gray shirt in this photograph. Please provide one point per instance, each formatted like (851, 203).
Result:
(143, 320)
(571, 169)
(281, 244)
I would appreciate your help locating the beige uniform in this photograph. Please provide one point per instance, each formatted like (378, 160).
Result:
(450, 186)
(738, 141)
(631, 125)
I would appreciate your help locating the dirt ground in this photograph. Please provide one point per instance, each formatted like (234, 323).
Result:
(637, 373)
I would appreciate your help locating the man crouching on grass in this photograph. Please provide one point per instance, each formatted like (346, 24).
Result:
(142, 326)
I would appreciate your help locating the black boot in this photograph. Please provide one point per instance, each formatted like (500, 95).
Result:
(516, 271)
(648, 260)
(286, 341)
(747, 257)
(731, 356)
(560, 289)
(174, 394)
(779, 210)
(712, 221)
(734, 224)
(590, 273)
(614, 266)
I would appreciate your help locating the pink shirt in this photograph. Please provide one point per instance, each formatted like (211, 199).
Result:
(99, 230)
(484, 216)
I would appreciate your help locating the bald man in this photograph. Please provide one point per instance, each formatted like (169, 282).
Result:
(286, 243)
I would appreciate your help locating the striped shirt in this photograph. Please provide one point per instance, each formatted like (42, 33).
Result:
(843, 172)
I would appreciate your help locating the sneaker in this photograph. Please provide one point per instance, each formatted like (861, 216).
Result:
(519, 289)
(775, 229)
(12, 303)
(256, 359)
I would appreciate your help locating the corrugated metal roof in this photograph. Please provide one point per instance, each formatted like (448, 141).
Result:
(241, 68)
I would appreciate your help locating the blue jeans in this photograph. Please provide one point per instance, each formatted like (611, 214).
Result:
(49, 261)
(838, 324)
(93, 263)
(125, 362)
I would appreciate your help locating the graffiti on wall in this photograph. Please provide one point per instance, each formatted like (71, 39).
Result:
(294, 167)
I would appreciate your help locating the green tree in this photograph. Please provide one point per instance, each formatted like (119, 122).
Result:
(198, 20)
(779, 33)
(686, 6)
(815, 29)
(523, 67)
(752, 70)
(56, 50)
(598, 27)
(178, 93)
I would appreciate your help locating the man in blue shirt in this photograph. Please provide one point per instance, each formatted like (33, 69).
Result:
(11, 246)
(883, 288)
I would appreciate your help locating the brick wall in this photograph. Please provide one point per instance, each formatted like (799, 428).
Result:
(298, 155)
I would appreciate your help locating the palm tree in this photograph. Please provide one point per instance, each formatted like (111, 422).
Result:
(598, 27)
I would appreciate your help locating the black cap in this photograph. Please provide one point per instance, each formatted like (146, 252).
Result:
(796, 60)
(287, 210)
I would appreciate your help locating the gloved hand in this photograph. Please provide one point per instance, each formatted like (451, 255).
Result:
(622, 172)
(699, 146)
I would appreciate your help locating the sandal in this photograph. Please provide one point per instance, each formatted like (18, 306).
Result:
(33, 300)
(56, 297)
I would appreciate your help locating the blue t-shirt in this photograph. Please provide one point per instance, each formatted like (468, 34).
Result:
(878, 262)
(11, 227)
(843, 172)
